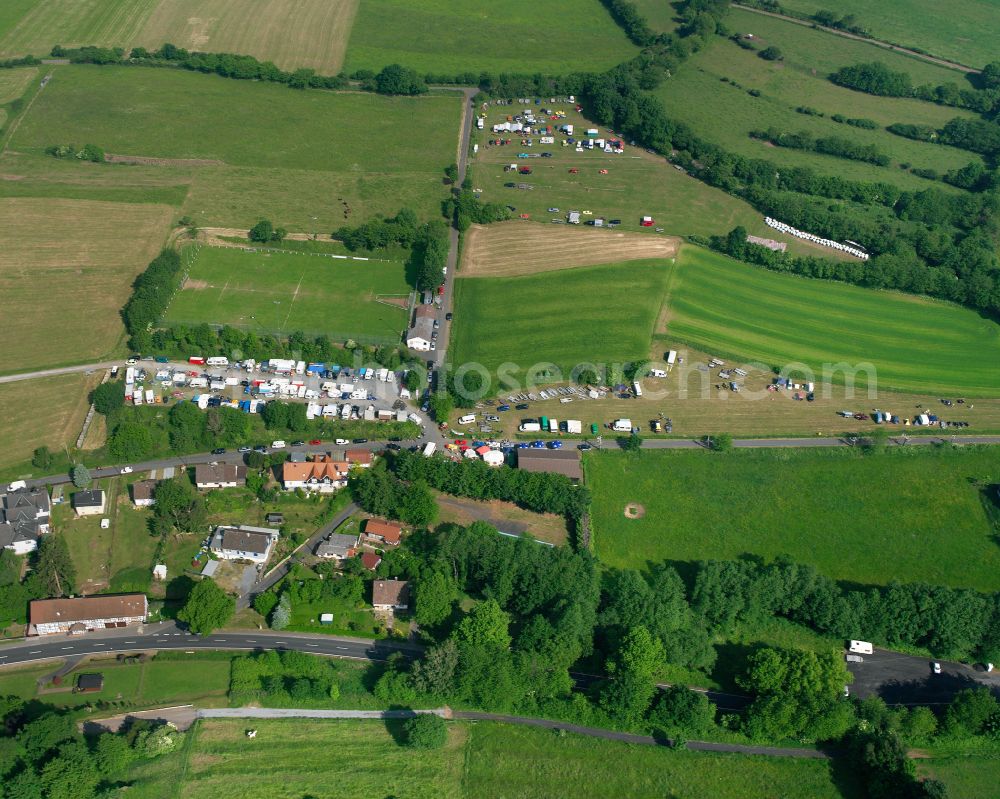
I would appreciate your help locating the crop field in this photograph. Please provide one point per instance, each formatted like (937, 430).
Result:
(316, 159)
(81, 258)
(106, 23)
(965, 34)
(280, 292)
(13, 82)
(725, 114)
(553, 38)
(592, 314)
(847, 513)
(292, 33)
(915, 344)
(637, 184)
(509, 249)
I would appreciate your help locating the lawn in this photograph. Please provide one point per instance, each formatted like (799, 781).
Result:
(966, 777)
(507, 762)
(637, 184)
(45, 411)
(316, 159)
(915, 344)
(964, 34)
(81, 256)
(725, 114)
(553, 38)
(908, 515)
(281, 292)
(599, 314)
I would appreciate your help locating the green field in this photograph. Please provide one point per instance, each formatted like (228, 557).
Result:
(311, 160)
(966, 776)
(910, 515)
(725, 113)
(598, 314)
(915, 344)
(361, 758)
(964, 34)
(34, 26)
(517, 36)
(281, 292)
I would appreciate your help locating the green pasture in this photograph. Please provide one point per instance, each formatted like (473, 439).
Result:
(601, 314)
(908, 515)
(967, 776)
(965, 32)
(309, 160)
(281, 292)
(725, 114)
(34, 26)
(553, 38)
(913, 343)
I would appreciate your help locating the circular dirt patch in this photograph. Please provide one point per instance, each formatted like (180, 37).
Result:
(634, 511)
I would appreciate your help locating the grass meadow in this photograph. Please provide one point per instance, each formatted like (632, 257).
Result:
(967, 776)
(907, 515)
(553, 38)
(281, 292)
(964, 34)
(362, 758)
(66, 267)
(915, 344)
(315, 159)
(34, 26)
(725, 113)
(589, 314)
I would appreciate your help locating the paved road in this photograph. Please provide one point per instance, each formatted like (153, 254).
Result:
(877, 42)
(299, 713)
(910, 680)
(63, 370)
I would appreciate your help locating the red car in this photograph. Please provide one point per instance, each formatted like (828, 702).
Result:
(461, 442)
(441, 289)
(574, 171)
(315, 442)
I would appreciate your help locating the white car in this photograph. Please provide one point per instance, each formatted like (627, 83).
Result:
(105, 524)
(125, 470)
(587, 213)
(553, 210)
(937, 667)
(341, 442)
(279, 444)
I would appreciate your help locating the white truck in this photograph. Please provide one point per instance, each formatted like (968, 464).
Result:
(859, 647)
(217, 360)
(469, 418)
(530, 427)
(429, 449)
(622, 425)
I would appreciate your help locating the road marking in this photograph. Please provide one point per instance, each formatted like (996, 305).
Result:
(280, 642)
(130, 642)
(251, 641)
(342, 647)
(34, 651)
(99, 644)
(67, 647)
(312, 644)
(219, 640)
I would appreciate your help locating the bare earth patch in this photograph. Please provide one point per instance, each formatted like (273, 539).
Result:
(195, 284)
(516, 248)
(143, 160)
(634, 511)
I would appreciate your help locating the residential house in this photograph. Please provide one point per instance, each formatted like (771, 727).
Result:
(24, 517)
(337, 546)
(390, 594)
(83, 614)
(222, 475)
(370, 560)
(142, 493)
(382, 531)
(420, 335)
(322, 474)
(243, 543)
(89, 503)
(362, 458)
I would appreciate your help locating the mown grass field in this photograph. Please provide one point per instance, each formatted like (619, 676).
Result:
(278, 292)
(315, 160)
(13, 82)
(361, 758)
(966, 776)
(637, 184)
(725, 113)
(66, 267)
(915, 344)
(553, 38)
(33, 27)
(964, 34)
(599, 314)
(907, 515)
(49, 411)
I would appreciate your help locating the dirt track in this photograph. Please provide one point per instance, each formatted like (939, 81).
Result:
(142, 160)
(515, 248)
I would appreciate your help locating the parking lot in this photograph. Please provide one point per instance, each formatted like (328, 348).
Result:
(910, 680)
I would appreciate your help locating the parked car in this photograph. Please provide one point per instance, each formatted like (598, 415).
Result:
(219, 451)
(243, 449)
(277, 444)
(937, 667)
(553, 210)
(584, 446)
(340, 442)
(298, 443)
(447, 316)
(503, 407)
(522, 406)
(315, 442)
(125, 470)
(361, 441)
(393, 446)
(555, 445)
(260, 448)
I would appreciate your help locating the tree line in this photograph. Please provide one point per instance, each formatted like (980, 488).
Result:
(828, 145)
(151, 293)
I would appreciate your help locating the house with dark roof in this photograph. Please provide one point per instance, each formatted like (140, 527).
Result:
(337, 546)
(243, 543)
(222, 475)
(420, 335)
(370, 560)
(390, 594)
(142, 493)
(24, 517)
(90, 683)
(82, 614)
(557, 461)
(89, 503)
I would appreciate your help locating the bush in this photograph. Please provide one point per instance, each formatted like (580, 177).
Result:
(426, 731)
(772, 54)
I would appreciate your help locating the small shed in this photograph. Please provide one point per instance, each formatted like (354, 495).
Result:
(326, 618)
(90, 683)
(160, 571)
(210, 568)
(276, 518)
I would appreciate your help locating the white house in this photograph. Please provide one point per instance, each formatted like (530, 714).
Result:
(24, 516)
(223, 475)
(243, 543)
(89, 503)
(390, 594)
(420, 335)
(86, 613)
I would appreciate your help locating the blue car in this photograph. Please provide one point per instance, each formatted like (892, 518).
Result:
(522, 445)
(538, 445)
(555, 445)
(503, 407)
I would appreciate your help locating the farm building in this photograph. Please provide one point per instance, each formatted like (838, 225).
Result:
(89, 503)
(24, 516)
(420, 336)
(383, 531)
(322, 474)
(243, 543)
(142, 493)
(390, 594)
(558, 461)
(223, 475)
(86, 613)
(337, 546)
